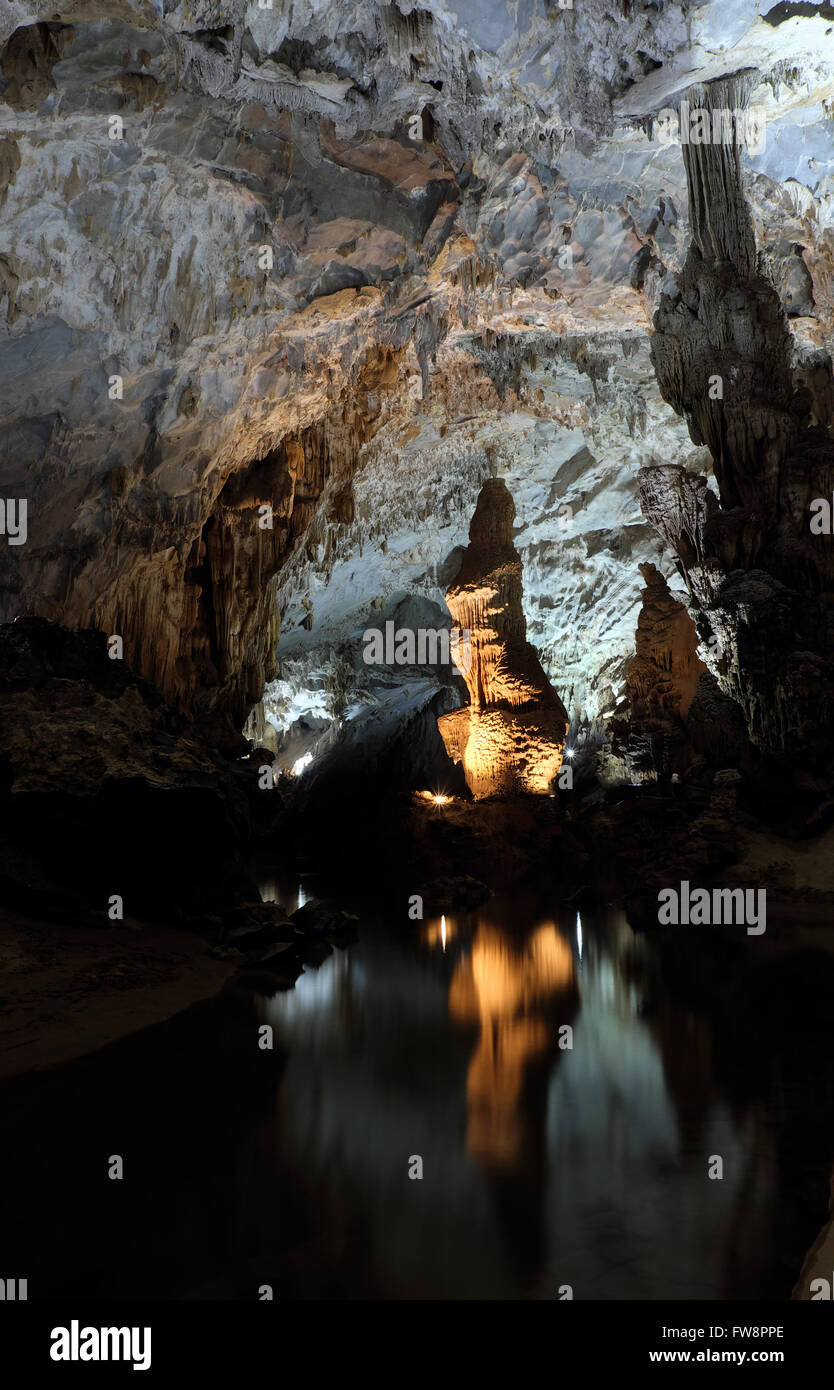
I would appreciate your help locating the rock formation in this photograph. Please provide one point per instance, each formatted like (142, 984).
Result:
(664, 674)
(105, 791)
(761, 583)
(346, 262)
(674, 711)
(511, 736)
(661, 680)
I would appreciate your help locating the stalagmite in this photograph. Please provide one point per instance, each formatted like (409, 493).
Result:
(761, 583)
(511, 736)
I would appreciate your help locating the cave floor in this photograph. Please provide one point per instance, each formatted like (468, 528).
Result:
(68, 990)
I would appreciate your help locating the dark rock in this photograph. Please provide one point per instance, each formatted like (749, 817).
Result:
(276, 968)
(459, 890)
(281, 957)
(761, 582)
(315, 952)
(344, 936)
(256, 926)
(267, 982)
(261, 757)
(322, 918)
(104, 789)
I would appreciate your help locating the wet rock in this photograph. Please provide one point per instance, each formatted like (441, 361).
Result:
(257, 927)
(280, 957)
(455, 890)
(321, 918)
(276, 972)
(315, 953)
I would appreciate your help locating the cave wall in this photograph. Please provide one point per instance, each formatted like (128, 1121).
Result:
(761, 582)
(347, 262)
(195, 325)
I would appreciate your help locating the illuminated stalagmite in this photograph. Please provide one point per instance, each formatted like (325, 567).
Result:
(511, 736)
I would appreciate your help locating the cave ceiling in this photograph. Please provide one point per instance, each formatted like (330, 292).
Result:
(345, 262)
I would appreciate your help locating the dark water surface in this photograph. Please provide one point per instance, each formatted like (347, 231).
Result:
(544, 1165)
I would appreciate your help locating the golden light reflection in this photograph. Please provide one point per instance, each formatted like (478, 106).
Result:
(510, 991)
(439, 931)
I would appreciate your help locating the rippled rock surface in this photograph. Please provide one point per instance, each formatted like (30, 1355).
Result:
(511, 736)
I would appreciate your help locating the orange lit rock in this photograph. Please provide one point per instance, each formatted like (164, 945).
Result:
(511, 736)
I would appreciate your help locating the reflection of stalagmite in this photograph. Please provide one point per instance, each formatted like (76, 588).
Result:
(511, 736)
(506, 992)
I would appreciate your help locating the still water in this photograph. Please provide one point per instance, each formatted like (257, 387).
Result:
(564, 1099)
(566, 1110)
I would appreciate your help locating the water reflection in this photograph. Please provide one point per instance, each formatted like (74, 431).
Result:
(514, 991)
(291, 892)
(544, 1164)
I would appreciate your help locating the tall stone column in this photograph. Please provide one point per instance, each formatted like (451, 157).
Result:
(761, 583)
(511, 736)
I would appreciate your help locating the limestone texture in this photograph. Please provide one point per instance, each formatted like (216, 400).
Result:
(760, 580)
(281, 286)
(511, 736)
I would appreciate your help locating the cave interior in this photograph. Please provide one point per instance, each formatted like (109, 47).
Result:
(417, 461)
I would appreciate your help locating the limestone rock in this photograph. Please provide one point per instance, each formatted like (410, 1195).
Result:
(348, 261)
(664, 674)
(761, 583)
(511, 736)
(661, 682)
